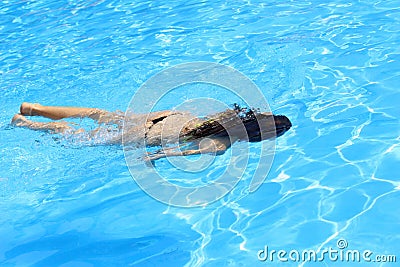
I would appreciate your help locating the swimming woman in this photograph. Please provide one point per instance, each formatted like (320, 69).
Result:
(212, 134)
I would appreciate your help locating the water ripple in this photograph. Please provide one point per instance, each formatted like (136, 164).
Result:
(331, 67)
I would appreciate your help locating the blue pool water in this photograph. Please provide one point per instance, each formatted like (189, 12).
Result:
(332, 67)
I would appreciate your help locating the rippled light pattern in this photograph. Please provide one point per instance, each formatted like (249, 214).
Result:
(332, 67)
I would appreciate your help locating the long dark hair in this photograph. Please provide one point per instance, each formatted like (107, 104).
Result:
(217, 124)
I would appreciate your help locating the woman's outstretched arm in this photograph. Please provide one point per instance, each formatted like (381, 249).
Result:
(211, 145)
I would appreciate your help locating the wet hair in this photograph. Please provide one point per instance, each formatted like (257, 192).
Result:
(217, 124)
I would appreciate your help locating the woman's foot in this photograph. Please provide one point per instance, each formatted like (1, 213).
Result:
(19, 120)
(29, 109)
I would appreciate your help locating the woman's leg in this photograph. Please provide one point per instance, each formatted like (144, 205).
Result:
(54, 127)
(57, 113)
